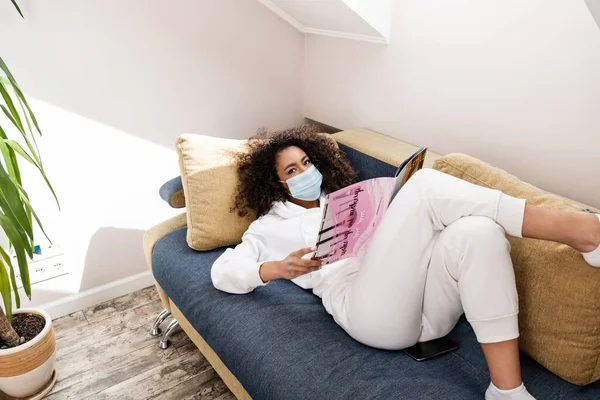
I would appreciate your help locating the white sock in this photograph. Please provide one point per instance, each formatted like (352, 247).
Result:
(518, 393)
(593, 257)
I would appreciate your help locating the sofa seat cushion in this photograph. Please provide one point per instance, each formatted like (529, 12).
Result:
(281, 344)
(559, 293)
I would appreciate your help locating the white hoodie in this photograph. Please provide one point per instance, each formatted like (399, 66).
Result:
(286, 228)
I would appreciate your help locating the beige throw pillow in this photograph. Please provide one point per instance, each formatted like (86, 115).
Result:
(209, 179)
(559, 293)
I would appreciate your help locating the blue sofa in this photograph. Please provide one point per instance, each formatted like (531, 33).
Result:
(279, 343)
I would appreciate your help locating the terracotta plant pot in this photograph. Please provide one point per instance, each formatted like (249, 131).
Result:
(26, 369)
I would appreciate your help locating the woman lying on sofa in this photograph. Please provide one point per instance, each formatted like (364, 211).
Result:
(439, 252)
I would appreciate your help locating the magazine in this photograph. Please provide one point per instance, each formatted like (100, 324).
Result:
(351, 215)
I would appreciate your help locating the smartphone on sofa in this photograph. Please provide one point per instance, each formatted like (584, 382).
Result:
(425, 350)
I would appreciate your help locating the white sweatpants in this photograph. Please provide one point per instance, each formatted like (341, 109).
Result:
(440, 251)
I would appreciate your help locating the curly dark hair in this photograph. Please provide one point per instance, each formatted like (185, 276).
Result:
(259, 185)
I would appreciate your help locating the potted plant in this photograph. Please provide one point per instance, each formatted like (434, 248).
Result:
(27, 342)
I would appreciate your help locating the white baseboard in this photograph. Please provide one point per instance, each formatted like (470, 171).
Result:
(98, 295)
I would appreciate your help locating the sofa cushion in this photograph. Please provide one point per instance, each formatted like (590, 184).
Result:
(281, 344)
(559, 293)
(209, 179)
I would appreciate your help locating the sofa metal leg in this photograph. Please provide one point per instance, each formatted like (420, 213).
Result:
(164, 342)
(164, 314)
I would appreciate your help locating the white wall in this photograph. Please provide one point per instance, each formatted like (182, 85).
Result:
(515, 83)
(113, 83)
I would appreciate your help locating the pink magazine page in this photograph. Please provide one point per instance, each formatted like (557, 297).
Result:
(352, 215)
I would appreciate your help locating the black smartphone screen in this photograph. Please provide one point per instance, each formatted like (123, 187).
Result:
(426, 350)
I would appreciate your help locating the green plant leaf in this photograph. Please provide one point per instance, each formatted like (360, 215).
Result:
(17, 7)
(20, 247)
(24, 270)
(10, 159)
(13, 172)
(13, 168)
(29, 134)
(11, 105)
(19, 93)
(51, 188)
(39, 157)
(14, 224)
(8, 213)
(30, 209)
(23, 133)
(13, 278)
(10, 192)
(17, 147)
(5, 208)
(17, 223)
(11, 119)
(5, 290)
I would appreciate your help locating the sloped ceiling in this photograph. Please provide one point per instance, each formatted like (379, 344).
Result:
(594, 6)
(367, 20)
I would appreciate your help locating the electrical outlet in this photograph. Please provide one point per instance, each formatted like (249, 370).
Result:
(42, 270)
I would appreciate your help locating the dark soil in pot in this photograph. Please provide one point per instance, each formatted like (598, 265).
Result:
(27, 326)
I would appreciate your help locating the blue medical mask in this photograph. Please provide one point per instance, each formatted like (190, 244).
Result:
(307, 185)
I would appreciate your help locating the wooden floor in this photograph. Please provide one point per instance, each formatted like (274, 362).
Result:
(106, 352)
